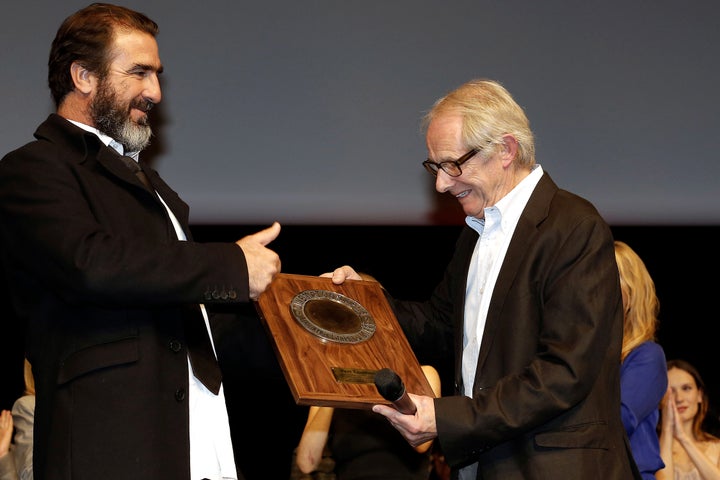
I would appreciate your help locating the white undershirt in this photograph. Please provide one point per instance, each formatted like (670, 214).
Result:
(211, 452)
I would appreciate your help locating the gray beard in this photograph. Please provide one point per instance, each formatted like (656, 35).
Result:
(120, 128)
(114, 121)
(133, 137)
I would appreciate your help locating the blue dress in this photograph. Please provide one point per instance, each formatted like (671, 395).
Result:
(643, 382)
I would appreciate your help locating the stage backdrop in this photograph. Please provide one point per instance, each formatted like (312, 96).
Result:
(308, 112)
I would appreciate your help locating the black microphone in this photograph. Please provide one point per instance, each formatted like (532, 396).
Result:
(392, 388)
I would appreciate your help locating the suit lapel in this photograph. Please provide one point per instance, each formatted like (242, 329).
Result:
(179, 208)
(525, 234)
(110, 159)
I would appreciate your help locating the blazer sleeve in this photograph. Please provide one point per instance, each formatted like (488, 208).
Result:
(80, 226)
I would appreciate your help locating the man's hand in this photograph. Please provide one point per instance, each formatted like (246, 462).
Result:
(418, 428)
(339, 275)
(262, 263)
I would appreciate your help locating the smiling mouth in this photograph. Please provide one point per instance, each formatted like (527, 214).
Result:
(143, 106)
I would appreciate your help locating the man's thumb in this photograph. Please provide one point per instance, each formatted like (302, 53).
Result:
(269, 234)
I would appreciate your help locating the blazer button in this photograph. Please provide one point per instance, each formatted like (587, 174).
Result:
(232, 294)
(180, 394)
(175, 346)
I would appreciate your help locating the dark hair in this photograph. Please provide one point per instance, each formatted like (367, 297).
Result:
(699, 426)
(86, 37)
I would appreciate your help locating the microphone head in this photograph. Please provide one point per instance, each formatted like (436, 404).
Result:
(389, 384)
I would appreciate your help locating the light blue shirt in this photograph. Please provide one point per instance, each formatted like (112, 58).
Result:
(496, 231)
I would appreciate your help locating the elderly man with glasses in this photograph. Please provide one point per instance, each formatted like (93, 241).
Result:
(529, 309)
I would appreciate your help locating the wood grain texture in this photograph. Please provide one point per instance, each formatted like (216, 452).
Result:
(307, 360)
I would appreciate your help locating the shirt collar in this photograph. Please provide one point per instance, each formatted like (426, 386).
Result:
(510, 207)
(107, 140)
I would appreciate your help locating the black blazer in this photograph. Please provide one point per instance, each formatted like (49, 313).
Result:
(546, 396)
(103, 283)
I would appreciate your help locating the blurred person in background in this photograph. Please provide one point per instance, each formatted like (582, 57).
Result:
(688, 450)
(643, 373)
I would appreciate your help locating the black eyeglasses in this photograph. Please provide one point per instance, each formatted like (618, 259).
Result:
(451, 167)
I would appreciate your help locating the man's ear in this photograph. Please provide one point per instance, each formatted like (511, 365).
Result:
(83, 79)
(509, 148)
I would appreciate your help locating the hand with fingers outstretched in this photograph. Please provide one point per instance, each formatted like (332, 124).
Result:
(7, 460)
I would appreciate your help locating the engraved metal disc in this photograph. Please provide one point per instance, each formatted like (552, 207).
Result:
(332, 316)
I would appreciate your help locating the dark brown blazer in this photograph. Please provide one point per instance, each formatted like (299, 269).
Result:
(546, 396)
(103, 284)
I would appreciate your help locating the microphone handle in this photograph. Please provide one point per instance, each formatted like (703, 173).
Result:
(405, 405)
(390, 385)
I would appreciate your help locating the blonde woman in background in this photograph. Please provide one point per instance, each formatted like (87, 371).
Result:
(643, 374)
(689, 451)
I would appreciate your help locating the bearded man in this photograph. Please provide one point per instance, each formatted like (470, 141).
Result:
(115, 296)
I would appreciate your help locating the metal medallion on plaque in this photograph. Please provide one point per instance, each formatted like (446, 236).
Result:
(332, 316)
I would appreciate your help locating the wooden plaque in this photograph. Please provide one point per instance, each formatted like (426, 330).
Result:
(331, 339)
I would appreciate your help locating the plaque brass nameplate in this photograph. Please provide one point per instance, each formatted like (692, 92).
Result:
(354, 375)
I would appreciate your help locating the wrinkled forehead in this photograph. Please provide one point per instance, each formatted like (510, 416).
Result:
(445, 132)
